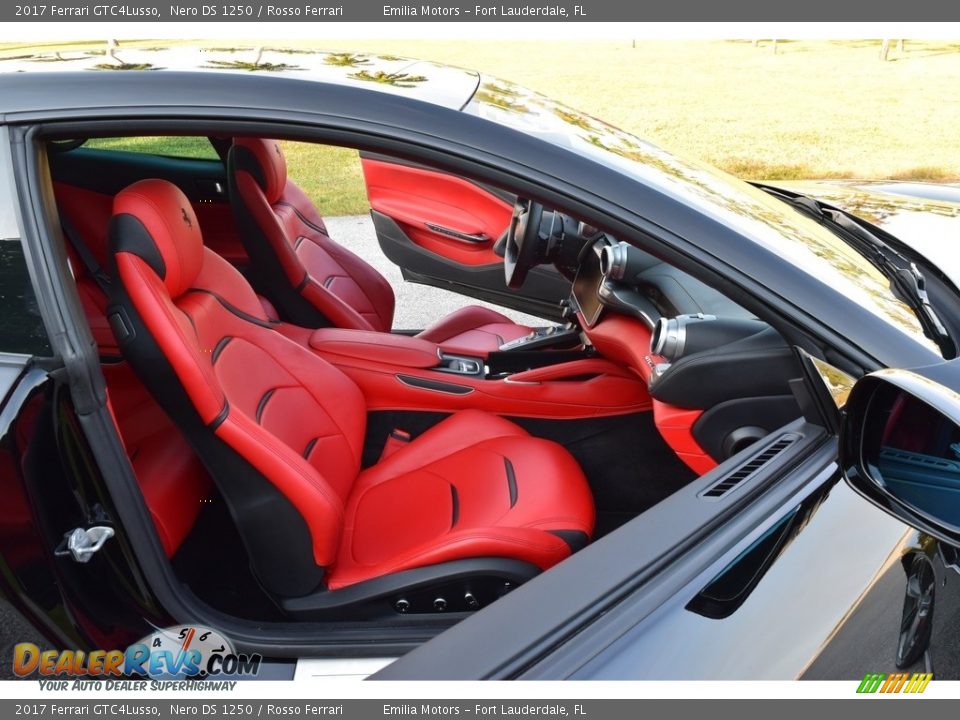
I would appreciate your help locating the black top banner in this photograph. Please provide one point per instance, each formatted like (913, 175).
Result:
(486, 11)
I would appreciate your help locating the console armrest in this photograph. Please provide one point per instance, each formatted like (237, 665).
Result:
(570, 371)
(399, 350)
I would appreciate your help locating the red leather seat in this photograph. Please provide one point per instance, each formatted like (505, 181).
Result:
(313, 280)
(173, 480)
(282, 431)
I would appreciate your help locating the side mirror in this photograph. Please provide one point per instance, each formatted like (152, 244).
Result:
(900, 449)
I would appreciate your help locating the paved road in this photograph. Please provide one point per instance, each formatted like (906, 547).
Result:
(13, 630)
(417, 305)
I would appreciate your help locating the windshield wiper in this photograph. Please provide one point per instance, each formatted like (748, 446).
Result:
(907, 283)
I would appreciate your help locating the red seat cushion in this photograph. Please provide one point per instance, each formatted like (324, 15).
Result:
(174, 484)
(475, 485)
(172, 479)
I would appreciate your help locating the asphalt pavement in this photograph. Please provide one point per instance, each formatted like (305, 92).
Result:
(14, 629)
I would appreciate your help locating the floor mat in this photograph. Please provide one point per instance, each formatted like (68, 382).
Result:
(627, 463)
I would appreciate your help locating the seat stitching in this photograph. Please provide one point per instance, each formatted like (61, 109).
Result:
(219, 348)
(269, 444)
(444, 457)
(309, 392)
(511, 481)
(555, 520)
(262, 405)
(232, 309)
(314, 441)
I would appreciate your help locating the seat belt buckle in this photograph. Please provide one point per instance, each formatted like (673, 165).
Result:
(395, 440)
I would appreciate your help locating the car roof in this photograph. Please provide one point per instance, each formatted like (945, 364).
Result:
(443, 85)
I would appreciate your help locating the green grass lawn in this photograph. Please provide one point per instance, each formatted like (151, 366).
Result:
(813, 109)
(331, 176)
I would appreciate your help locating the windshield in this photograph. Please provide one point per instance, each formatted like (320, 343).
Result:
(750, 211)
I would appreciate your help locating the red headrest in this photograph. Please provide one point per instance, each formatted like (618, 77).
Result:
(154, 220)
(270, 167)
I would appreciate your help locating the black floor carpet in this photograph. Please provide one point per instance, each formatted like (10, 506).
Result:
(627, 463)
(213, 563)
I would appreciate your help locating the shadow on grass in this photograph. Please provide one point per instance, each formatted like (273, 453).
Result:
(926, 173)
(760, 170)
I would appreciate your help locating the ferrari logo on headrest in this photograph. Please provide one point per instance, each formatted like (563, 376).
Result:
(186, 218)
(276, 149)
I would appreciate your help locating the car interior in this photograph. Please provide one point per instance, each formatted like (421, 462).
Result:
(304, 459)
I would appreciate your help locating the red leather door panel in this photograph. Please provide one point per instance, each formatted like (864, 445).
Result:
(441, 230)
(418, 198)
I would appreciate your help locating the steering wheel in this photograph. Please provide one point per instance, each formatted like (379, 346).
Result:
(523, 242)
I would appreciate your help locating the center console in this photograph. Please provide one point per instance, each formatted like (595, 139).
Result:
(546, 337)
(525, 377)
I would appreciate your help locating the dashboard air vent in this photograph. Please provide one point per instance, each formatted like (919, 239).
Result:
(749, 468)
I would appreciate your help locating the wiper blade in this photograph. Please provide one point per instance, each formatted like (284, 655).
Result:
(907, 283)
(910, 286)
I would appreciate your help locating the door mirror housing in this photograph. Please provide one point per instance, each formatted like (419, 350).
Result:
(900, 449)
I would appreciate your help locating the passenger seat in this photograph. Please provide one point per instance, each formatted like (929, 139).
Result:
(313, 280)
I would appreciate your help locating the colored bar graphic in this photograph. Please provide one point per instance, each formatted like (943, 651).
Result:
(894, 683)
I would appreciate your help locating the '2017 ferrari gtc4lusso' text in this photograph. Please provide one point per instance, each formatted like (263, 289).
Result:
(211, 415)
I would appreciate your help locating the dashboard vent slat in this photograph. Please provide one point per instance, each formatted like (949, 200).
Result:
(748, 469)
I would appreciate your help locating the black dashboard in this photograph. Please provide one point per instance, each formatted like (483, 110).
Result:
(628, 280)
(707, 352)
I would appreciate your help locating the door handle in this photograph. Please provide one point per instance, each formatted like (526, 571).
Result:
(457, 235)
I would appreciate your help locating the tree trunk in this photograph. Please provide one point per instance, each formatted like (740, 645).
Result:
(884, 50)
(899, 46)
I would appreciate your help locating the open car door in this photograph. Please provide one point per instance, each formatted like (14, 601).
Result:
(446, 231)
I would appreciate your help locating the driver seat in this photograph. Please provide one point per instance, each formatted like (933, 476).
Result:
(282, 432)
(312, 280)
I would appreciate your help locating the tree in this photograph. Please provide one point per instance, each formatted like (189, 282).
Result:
(884, 50)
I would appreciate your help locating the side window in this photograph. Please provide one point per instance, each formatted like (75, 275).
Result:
(21, 328)
(194, 148)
